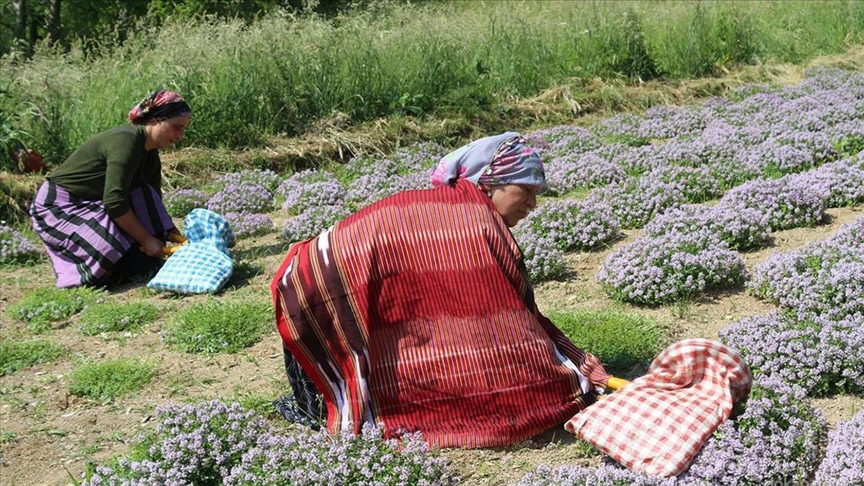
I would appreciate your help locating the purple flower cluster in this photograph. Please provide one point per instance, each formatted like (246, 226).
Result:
(299, 180)
(375, 186)
(570, 224)
(543, 260)
(697, 183)
(241, 198)
(312, 194)
(840, 183)
(786, 202)
(192, 444)
(609, 474)
(265, 178)
(819, 355)
(635, 202)
(666, 268)
(742, 229)
(181, 202)
(214, 443)
(306, 458)
(622, 128)
(844, 455)
(776, 440)
(572, 171)
(563, 139)
(15, 247)
(823, 278)
(249, 224)
(313, 221)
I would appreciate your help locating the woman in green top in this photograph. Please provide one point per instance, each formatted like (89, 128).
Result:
(105, 200)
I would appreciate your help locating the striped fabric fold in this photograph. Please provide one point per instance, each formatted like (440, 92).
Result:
(84, 243)
(416, 313)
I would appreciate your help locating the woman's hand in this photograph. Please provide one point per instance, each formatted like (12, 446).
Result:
(152, 247)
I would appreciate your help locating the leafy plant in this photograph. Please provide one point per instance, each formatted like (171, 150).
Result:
(218, 326)
(44, 306)
(17, 355)
(620, 340)
(110, 379)
(114, 317)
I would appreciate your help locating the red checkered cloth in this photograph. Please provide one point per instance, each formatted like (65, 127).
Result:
(659, 422)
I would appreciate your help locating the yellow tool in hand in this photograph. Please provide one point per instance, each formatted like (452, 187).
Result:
(174, 237)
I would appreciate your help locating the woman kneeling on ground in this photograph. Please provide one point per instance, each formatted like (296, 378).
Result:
(416, 313)
(105, 200)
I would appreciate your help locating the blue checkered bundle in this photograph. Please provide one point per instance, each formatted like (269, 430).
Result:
(203, 264)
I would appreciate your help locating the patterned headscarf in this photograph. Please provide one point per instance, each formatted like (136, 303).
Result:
(493, 161)
(160, 105)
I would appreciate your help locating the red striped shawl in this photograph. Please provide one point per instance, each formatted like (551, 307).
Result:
(416, 313)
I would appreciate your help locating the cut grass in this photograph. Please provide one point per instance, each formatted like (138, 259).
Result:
(218, 326)
(620, 340)
(110, 379)
(16, 356)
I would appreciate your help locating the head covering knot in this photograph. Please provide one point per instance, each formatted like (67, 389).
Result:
(492, 161)
(159, 106)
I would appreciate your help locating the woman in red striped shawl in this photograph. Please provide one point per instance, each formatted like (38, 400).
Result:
(416, 312)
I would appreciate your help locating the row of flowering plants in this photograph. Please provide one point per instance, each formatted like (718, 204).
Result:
(217, 443)
(815, 338)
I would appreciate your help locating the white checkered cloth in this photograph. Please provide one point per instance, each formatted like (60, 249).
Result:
(203, 264)
(659, 422)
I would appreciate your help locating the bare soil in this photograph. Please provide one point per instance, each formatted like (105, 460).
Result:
(49, 434)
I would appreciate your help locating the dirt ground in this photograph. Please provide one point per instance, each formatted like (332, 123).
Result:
(48, 434)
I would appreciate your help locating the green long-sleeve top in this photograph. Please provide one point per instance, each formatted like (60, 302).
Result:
(108, 165)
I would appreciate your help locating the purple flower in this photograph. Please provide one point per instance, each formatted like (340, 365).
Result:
(15, 247)
(844, 456)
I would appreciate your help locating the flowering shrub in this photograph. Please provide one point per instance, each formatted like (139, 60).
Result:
(818, 355)
(569, 172)
(181, 202)
(247, 224)
(298, 180)
(46, 305)
(15, 247)
(840, 183)
(312, 194)
(265, 178)
(563, 140)
(608, 474)
(844, 456)
(572, 225)
(543, 259)
(664, 121)
(743, 229)
(214, 443)
(635, 202)
(697, 183)
(823, 278)
(666, 268)
(787, 203)
(313, 221)
(774, 441)
(373, 187)
(241, 198)
(622, 128)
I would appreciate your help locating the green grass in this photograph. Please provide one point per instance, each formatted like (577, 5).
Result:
(114, 317)
(281, 74)
(220, 326)
(17, 355)
(110, 379)
(43, 306)
(620, 340)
